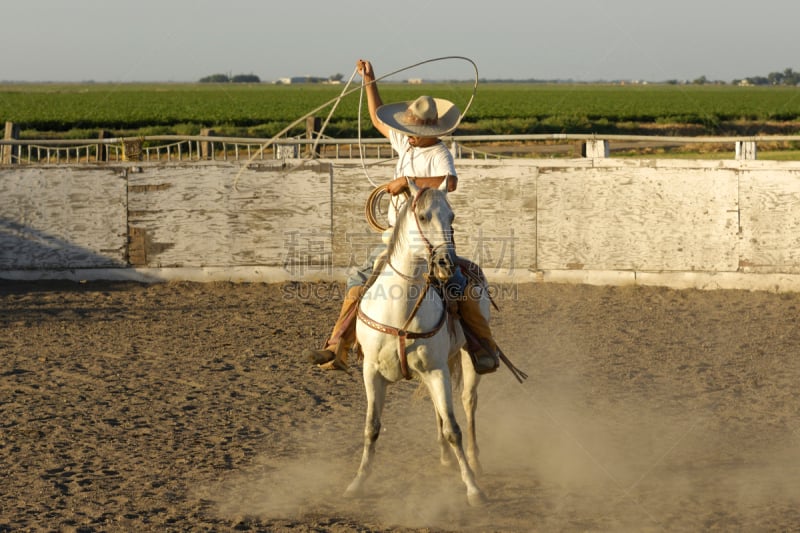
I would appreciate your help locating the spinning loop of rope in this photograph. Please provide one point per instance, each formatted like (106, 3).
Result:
(334, 102)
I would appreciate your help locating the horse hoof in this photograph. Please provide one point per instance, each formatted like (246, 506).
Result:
(477, 499)
(353, 491)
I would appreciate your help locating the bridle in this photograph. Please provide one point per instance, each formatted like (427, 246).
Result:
(431, 250)
(402, 333)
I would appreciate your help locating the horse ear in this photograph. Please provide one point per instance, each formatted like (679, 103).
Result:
(412, 186)
(443, 185)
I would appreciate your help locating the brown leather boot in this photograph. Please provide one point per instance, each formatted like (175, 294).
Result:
(480, 344)
(334, 355)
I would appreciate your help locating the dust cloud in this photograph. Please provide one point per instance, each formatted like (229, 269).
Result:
(564, 450)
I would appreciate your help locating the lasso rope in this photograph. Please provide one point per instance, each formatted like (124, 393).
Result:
(335, 102)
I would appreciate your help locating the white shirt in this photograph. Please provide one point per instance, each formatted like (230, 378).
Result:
(415, 162)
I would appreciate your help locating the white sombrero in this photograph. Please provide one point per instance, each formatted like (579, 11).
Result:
(424, 117)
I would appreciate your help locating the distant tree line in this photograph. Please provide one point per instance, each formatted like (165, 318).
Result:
(787, 77)
(252, 78)
(224, 78)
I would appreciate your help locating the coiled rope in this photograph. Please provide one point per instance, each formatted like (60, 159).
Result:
(372, 207)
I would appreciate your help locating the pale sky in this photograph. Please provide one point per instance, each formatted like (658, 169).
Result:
(584, 40)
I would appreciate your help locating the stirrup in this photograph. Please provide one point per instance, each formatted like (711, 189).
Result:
(482, 364)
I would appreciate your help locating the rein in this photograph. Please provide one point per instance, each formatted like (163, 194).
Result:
(402, 333)
(428, 245)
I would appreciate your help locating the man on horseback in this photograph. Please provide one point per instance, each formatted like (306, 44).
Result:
(414, 129)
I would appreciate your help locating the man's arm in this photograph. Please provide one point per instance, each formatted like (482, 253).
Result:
(399, 185)
(374, 100)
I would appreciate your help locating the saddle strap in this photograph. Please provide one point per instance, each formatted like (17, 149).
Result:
(401, 353)
(402, 335)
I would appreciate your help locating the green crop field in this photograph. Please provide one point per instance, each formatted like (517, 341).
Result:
(262, 110)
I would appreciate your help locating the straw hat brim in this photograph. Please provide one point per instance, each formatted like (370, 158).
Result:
(449, 116)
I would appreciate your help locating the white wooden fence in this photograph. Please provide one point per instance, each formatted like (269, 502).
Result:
(708, 224)
(168, 148)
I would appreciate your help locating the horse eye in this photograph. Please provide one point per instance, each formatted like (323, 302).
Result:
(422, 217)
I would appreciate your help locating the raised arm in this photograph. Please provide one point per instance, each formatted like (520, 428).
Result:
(374, 101)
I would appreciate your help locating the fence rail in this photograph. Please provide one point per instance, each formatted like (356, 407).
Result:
(204, 147)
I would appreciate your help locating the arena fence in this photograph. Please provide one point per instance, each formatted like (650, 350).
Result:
(681, 223)
(168, 148)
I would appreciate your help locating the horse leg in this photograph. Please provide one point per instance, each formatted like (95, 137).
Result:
(445, 455)
(375, 386)
(469, 399)
(443, 401)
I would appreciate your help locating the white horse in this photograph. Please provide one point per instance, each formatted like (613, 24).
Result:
(404, 331)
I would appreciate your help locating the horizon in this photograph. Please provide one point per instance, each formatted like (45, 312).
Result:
(313, 79)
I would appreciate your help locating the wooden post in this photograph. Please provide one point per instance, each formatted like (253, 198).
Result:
(207, 147)
(10, 153)
(102, 148)
(137, 246)
(313, 125)
(745, 150)
(596, 149)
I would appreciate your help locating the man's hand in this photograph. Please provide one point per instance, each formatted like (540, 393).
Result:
(364, 68)
(397, 186)
(400, 185)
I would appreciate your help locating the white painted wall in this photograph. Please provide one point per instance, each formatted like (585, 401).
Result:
(708, 224)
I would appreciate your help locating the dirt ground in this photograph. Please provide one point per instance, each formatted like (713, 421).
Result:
(188, 407)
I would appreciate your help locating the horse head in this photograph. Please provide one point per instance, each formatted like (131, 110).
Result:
(432, 228)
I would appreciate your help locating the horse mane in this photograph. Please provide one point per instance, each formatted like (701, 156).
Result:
(426, 197)
(423, 201)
